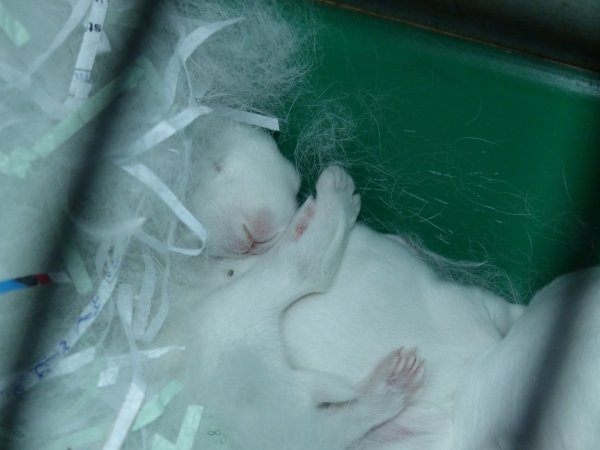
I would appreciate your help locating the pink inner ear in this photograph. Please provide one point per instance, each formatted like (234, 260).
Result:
(304, 221)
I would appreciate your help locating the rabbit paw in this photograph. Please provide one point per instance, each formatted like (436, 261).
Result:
(336, 187)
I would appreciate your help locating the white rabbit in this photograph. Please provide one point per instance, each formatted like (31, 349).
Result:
(239, 364)
(245, 190)
(384, 295)
(492, 399)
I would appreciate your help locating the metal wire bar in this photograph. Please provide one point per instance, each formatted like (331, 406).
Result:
(93, 152)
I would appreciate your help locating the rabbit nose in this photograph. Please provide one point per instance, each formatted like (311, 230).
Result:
(259, 227)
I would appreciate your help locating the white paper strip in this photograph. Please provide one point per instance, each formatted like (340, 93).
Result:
(127, 413)
(163, 247)
(74, 20)
(109, 375)
(161, 132)
(143, 302)
(81, 82)
(163, 310)
(156, 406)
(187, 47)
(73, 363)
(270, 123)
(188, 430)
(15, 385)
(146, 176)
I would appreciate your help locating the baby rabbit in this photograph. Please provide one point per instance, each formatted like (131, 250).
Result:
(240, 367)
(382, 297)
(491, 401)
(245, 190)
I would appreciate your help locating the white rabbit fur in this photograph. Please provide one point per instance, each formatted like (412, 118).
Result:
(232, 324)
(504, 376)
(383, 297)
(234, 191)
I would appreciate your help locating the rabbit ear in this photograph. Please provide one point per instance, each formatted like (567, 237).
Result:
(302, 219)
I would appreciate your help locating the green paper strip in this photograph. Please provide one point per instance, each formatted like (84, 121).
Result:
(18, 161)
(14, 29)
(156, 407)
(187, 433)
(160, 443)
(76, 269)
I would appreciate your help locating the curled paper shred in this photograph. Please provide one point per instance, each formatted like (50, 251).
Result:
(146, 176)
(161, 132)
(185, 49)
(75, 19)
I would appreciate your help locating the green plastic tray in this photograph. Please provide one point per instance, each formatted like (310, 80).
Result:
(485, 154)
